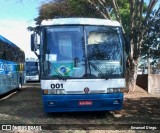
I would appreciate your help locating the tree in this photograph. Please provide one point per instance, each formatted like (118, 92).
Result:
(134, 16)
(82, 8)
(52, 9)
(151, 45)
(66, 8)
(138, 31)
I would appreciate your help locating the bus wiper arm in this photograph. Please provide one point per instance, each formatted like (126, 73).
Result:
(59, 74)
(96, 68)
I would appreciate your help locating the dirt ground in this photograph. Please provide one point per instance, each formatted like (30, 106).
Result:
(139, 109)
(141, 105)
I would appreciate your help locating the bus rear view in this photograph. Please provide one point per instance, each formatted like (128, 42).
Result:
(82, 64)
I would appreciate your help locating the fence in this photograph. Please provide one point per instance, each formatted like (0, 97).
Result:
(149, 82)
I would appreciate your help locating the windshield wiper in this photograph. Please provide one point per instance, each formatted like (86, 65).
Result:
(59, 74)
(49, 63)
(96, 68)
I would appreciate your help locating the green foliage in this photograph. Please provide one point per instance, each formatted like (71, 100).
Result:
(82, 8)
(66, 8)
(125, 13)
(79, 8)
(151, 44)
(55, 8)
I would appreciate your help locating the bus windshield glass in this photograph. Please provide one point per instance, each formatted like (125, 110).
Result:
(83, 52)
(32, 68)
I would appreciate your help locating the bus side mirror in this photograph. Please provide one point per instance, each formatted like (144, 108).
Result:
(34, 44)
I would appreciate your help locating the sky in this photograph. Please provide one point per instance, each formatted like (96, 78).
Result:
(15, 17)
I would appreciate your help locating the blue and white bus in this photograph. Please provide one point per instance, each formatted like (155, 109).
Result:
(32, 70)
(12, 60)
(82, 64)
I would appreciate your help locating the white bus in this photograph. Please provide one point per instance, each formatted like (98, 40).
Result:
(12, 60)
(32, 70)
(82, 64)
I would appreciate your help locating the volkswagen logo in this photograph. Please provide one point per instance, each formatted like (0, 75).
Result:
(86, 90)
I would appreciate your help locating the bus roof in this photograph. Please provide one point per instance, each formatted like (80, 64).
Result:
(6, 41)
(79, 21)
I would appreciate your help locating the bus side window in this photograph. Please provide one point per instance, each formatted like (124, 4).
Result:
(1, 50)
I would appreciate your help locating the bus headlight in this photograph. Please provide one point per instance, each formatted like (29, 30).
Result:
(114, 90)
(53, 91)
(60, 91)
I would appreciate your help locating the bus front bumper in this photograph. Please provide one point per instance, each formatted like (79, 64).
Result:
(88, 102)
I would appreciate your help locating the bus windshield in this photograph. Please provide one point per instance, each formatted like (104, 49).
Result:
(32, 68)
(83, 52)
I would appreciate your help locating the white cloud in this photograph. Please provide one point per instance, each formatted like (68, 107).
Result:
(16, 31)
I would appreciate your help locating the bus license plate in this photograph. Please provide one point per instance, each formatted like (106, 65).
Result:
(83, 103)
